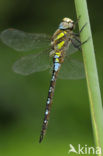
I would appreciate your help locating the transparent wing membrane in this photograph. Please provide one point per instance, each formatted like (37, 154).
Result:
(72, 68)
(22, 41)
(32, 63)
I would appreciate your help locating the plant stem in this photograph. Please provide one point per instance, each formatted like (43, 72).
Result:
(91, 73)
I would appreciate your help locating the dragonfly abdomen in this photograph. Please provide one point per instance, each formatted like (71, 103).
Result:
(56, 68)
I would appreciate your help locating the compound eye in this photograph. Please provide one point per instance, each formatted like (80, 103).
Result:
(63, 25)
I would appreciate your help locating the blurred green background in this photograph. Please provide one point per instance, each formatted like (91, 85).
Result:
(23, 98)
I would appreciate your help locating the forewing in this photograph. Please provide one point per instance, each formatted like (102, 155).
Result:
(22, 41)
(72, 68)
(32, 63)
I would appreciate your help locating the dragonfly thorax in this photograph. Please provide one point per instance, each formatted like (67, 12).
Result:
(60, 41)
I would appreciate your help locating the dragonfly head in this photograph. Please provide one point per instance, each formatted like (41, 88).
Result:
(66, 23)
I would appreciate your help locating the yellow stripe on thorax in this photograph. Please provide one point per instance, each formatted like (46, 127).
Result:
(61, 35)
(60, 45)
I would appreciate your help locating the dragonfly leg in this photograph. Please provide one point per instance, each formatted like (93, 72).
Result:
(77, 20)
(77, 39)
(76, 46)
(85, 41)
(82, 28)
(80, 43)
(78, 34)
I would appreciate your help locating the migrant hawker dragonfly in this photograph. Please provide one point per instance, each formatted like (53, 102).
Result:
(64, 45)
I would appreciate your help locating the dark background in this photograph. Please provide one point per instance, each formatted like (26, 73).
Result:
(22, 99)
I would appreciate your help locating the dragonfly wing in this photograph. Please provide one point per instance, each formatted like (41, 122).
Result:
(71, 49)
(22, 41)
(32, 63)
(72, 68)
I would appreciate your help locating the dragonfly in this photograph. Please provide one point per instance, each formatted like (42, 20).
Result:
(61, 47)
